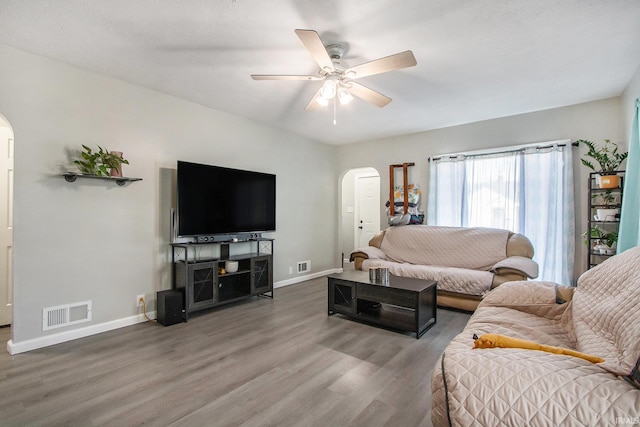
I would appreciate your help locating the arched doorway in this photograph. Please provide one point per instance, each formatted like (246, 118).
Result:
(6, 222)
(360, 208)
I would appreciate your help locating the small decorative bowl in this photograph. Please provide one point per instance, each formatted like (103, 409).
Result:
(231, 266)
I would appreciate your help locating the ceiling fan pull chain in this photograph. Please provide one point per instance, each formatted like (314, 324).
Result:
(334, 111)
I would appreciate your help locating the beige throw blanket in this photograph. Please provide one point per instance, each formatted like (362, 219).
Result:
(472, 248)
(521, 387)
(450, 279)
(606, 311)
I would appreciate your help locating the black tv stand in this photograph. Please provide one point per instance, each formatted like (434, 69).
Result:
(207, 285)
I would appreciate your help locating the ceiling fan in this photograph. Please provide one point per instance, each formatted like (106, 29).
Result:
(338, 80)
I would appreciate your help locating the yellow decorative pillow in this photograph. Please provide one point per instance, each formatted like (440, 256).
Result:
(502, 341)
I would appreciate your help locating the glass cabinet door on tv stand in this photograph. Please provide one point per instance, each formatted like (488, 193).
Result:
(205, 281)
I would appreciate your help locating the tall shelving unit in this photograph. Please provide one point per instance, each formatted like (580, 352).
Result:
(603, 218)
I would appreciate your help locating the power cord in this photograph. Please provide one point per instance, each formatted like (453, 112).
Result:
(144, 311)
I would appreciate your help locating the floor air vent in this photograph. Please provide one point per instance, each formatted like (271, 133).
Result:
(66, 315)
(304, 266)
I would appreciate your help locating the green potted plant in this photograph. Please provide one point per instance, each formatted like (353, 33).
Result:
(608, 159)
(605, 241)
(101, 162)
(114, 161)
(606, 205)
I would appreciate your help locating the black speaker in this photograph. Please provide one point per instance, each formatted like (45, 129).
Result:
(170, 307)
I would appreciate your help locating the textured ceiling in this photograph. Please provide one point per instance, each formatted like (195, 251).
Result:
(477, 59)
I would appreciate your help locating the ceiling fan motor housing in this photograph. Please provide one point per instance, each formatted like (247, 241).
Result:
(335, 51)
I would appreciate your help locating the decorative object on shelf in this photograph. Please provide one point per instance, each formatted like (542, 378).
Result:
(607, 206)
(605, 241)
(116, 169)
(231, 266)
(101, 162)
(608, 158)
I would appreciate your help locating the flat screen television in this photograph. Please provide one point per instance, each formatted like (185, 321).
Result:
(224, 202)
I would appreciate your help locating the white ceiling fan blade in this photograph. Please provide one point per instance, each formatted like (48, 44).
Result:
(313, 104)
(282, 77)
(382, 65)
(369, 95)
(314, 45)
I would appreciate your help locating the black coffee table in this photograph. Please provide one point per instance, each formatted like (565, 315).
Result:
(404, 303)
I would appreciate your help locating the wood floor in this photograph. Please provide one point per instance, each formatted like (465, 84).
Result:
(280, 362)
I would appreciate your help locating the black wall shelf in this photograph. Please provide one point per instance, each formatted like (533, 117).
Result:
(119, 180)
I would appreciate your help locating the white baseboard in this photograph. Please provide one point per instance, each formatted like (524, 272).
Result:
(299, 279)
(74, 334)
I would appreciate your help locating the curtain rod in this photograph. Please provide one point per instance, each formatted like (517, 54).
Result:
(573, 144)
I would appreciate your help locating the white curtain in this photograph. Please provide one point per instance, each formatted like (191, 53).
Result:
(527, 191)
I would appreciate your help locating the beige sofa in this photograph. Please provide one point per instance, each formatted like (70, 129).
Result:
(517, 387)
(466, 262)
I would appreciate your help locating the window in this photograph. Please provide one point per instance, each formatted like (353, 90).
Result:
(526, 190)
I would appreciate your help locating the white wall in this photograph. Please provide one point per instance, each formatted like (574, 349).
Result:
(95, 241)
(593, 121)
(628, 99)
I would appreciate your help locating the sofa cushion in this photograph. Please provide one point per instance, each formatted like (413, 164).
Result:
(525, 310)
(513, 387)
(472, 248)
(606, 312)
(456, 280)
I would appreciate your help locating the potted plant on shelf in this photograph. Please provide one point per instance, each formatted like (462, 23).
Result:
(100, 163)
(606, 206)
(605, 241)
(608, 159)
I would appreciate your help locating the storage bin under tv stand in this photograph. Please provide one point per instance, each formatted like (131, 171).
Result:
(203, 284)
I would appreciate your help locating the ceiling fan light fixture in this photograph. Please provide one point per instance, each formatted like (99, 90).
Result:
(344, 96)
(329, 89)
(322, 100)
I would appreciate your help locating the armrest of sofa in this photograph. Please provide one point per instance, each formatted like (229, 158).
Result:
(516, 264)
(369, 252)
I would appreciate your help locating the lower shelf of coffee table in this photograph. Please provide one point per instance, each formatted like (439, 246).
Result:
(390, 316)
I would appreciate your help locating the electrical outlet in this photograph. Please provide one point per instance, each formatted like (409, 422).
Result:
(139, 300)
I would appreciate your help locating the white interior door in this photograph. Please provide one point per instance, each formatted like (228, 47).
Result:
(367, 213)
(6, 224)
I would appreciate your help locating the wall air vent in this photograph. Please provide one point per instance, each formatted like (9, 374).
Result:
(66, 315)
(304, 266)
